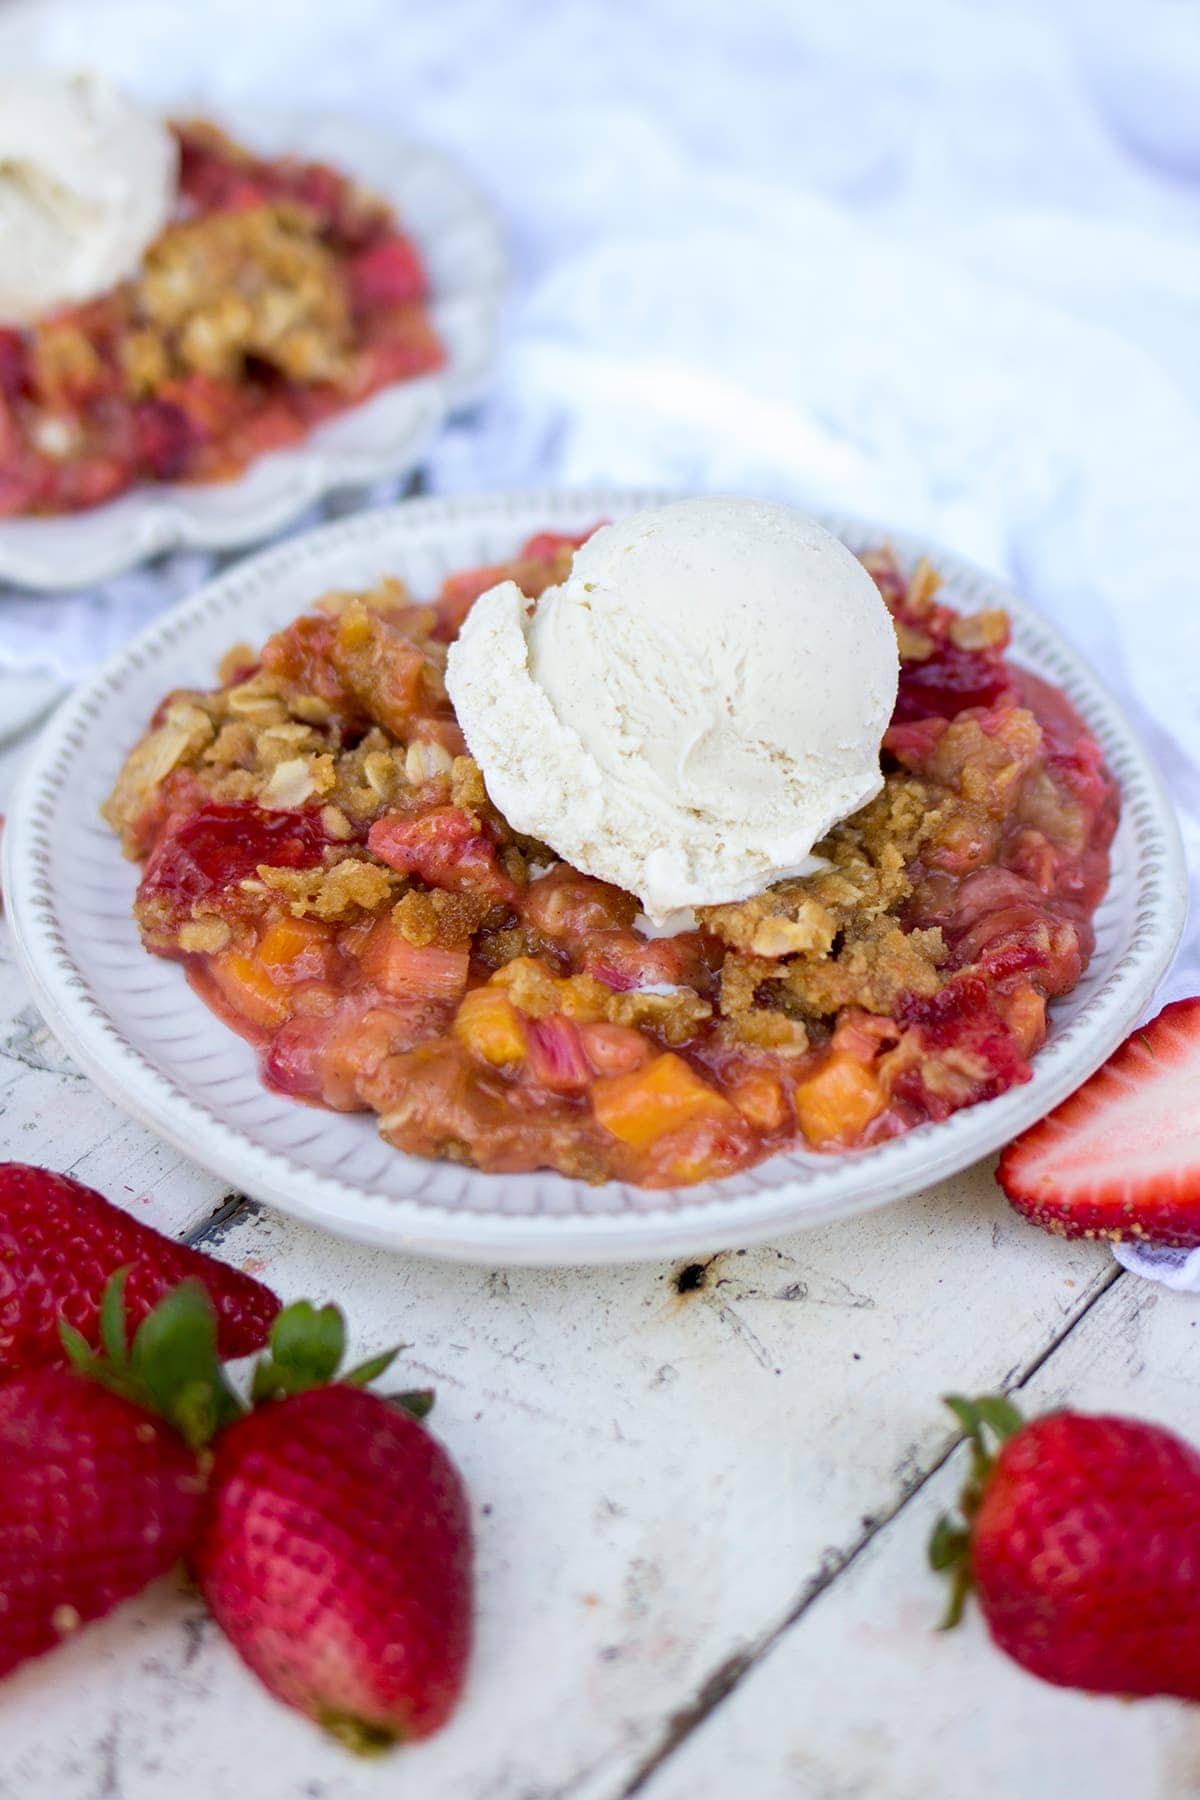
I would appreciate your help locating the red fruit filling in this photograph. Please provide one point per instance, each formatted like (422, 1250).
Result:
(948, 682)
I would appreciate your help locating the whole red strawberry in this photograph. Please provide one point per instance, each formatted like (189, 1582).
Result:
(335, 1553)
(98, 1497)
(1081, 1538)
(59, 1244)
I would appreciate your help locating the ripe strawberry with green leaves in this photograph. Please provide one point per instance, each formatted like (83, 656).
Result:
(103, 1482)
(59, 1244)
(1080, 1537)
(335, 1546)
(329, 1531)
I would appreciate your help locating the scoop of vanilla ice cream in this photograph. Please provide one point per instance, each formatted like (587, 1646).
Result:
(695, 706)
(87, 181)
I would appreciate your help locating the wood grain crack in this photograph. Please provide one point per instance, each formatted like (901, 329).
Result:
(732, 1670)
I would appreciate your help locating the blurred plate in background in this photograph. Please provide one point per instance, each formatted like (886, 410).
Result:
(460, 240)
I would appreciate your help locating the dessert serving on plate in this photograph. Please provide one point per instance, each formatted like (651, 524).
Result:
(173, 305)
(592, 863)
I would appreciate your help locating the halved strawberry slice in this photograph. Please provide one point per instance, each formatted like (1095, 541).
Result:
(1121, 1158)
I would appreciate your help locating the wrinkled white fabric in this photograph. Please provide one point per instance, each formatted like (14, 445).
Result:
(936, 262)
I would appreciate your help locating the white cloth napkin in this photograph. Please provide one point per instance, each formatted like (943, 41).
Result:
(936, 262)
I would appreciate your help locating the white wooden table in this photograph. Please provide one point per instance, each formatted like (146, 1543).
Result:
(701, 1494)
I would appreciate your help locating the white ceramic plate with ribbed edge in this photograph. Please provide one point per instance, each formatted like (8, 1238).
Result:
(138, 1029)
(460, 239)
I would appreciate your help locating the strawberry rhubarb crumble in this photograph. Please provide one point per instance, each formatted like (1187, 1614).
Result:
(278, 294)
(321, 852)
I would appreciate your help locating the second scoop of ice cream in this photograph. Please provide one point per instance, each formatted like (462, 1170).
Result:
(87, 180)
(695, 706)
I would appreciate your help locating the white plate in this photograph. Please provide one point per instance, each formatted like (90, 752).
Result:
(138, 1029)
(460, 240)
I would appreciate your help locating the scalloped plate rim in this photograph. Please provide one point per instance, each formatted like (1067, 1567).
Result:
(665, 1223)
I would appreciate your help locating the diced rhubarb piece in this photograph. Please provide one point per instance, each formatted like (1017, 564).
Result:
(556, 1055)
(362, 1041)
(762, 1097)
(293, 950)
(863, 1035)
(706, 1148)
(1045, 947)
(209, 851)
(1023, 1010)
(614, 1049)
(293, 1060)
(566, 904)
(303, 654)
(644, 1106)
(1031, 855)
(490, 1026)
(914, 741)
(328, 1058)
(413, 971)
(622, 960)
(445, 848)
(835, 1105)
(247, 987)
(998, 921)
(386, 273)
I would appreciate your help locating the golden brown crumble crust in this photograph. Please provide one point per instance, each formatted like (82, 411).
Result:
(220, 289)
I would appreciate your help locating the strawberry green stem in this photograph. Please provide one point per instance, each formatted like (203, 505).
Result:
(356, 1734)
(171, 1368)
(949, 1548)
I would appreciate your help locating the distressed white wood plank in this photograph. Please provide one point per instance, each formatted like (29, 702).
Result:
(657, 1478)
(51, 1113)
(863, 1697)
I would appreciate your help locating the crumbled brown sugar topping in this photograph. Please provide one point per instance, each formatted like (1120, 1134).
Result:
(228, 286)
